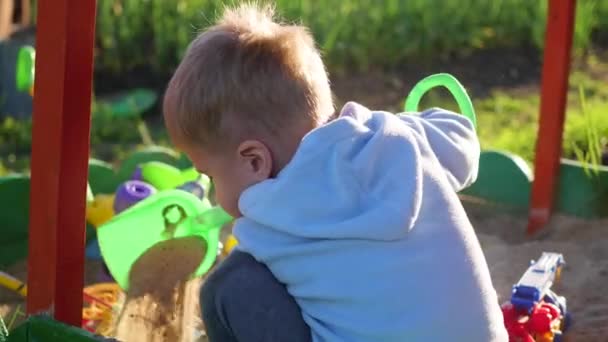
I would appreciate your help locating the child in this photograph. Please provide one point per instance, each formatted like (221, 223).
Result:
(349, 228)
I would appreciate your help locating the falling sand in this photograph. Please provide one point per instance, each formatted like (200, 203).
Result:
(162, 301)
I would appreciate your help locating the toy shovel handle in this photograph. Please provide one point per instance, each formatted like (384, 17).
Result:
(208, 226)
(451, 84)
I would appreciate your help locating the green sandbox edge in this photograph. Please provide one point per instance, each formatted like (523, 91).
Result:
(42, 328)
(505, 179)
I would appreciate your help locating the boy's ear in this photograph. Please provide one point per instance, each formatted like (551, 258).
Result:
(257, 159)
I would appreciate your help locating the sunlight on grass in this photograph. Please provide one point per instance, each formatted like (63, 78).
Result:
(513, 123)
(352, 33)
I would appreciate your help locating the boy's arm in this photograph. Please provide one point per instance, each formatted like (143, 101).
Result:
(453, 140)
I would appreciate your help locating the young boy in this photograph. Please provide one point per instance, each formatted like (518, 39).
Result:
(349, 228)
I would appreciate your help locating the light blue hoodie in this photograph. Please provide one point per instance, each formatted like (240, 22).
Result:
(366, 230)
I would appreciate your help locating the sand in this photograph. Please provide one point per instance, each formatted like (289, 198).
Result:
(162, 303)
(162, 306)
(584, 280)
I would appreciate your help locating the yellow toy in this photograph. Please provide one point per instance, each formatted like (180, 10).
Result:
(13, 284)
(229, 245)
(100, 210)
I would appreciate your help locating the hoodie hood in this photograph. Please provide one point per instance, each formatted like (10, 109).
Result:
(357, 177)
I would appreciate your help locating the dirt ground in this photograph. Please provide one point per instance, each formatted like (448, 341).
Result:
(585, 276)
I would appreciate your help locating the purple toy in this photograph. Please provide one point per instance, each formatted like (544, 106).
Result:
(137, 174)
(131, 192)
(127, 194)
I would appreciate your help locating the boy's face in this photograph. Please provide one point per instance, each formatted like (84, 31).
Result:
(228, 178)
(231, 170)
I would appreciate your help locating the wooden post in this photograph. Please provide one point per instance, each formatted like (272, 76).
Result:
(554, 92)
(60, 152)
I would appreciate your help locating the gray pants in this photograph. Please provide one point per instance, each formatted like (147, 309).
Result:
(242, 301)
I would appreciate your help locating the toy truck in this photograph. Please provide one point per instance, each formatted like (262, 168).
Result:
(535, 313)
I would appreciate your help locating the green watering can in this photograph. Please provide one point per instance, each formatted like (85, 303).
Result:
(166, 215)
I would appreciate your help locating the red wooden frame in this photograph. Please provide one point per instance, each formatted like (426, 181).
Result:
(60, 153)
(554, 92)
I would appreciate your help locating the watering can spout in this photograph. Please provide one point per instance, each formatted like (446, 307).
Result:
(210, 218)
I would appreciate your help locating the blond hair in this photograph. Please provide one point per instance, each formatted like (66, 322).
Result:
(248, 75)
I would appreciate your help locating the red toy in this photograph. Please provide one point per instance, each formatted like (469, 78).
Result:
(543, 324)
(535, 313)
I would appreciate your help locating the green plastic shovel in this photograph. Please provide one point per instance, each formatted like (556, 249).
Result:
(168, 214)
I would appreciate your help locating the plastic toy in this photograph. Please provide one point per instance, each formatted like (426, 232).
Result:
(100, 209)
(125, 104)
(151, 177)
(103, 208)
(166, 215)
(13, 284)
(142, 185)
(543, 324)
(450, 83)
(24, 77)
(131, 192)
(164, 176)
(535, 313)
(231, 242)
(537, 281)
(100, 300)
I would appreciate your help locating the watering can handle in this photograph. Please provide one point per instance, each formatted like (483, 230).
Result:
(451, 84)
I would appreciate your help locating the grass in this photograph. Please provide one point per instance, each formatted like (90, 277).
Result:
(511, 124)
(589, 154)
(354, 34)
